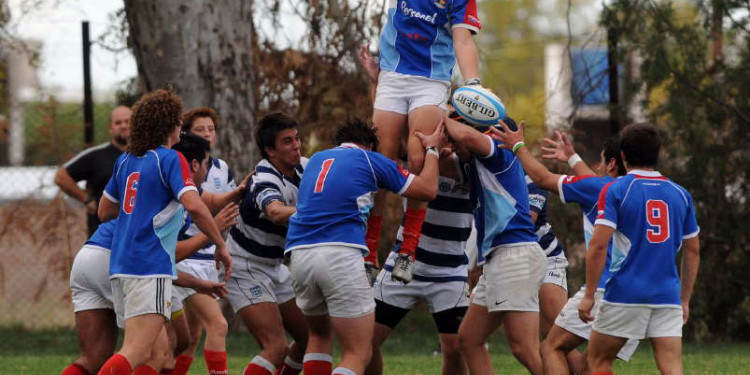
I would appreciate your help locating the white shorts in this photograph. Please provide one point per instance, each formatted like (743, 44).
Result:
(202, 269)
(331, 280)
(439, 296)
(638, 322)
(556, 272)
(89, 279)
(402, 93)
(569, 320)
(140, 296)
(511, 280)
(257, 280)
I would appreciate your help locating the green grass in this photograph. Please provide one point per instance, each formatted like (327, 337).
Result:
(408, 351)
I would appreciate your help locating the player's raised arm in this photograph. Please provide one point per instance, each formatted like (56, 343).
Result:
(562, 150)
(424, 186)
(476, 142)
(224, 220)
(514, 141)
(466, 54)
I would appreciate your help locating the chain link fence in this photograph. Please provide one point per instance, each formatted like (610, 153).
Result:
(41, 229)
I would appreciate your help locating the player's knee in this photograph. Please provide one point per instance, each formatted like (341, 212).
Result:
(217, 327)
(416, 161)
(451, 352)
(276, 350)
(467, 342)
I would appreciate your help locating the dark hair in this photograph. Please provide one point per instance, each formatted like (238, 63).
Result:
(612, 151)
(356, 131)
(193, 147)
(189, 118)
(640, 143)
(154, 116)
(269, 127)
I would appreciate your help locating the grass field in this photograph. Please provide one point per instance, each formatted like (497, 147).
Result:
(409, 352)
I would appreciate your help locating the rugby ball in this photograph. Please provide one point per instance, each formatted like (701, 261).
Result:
(477, 105)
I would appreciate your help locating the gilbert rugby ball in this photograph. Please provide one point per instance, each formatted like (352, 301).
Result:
(479, 106)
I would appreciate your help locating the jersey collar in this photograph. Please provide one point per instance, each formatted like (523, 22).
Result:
(639, 173)
(349, 145)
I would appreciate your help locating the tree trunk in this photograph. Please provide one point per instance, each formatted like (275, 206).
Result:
(204, 48)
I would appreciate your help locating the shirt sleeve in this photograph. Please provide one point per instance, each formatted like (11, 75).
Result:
(388, 174)
(690, 228)
(537, 198)
(112, 189)
(608, 205)
(498, 158)
(583, 190)
(176, 173)
(81, 168)
(262, 192)
(464, 14)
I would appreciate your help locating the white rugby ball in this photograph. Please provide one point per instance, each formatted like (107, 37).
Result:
(478, 106)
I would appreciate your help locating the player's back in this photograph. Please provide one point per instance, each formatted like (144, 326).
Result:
(336, 195)
(148, 188)
(652, 216)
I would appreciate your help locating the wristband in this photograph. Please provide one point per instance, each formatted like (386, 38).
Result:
(518, 146)
(574, 160)
(432, 150)
(473, 81)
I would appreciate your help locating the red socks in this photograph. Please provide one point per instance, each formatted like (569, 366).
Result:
(290, 367)
(216, 362)
(259, 366)
(116, 365)
(372, 238)
(144, 370)
(413, 219)
(75, 369)
(182, 364)
(318, 364)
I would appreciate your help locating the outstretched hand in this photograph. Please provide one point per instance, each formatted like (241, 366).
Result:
(559, 149)
(368, 63)
(227, 217)
(436, 139)
(508, 137)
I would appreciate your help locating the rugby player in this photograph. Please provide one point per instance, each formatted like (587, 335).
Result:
(147, 192)
(652, 219)
(569, 332)
(513, 263)
(261, 291)
(326, 241)
(419, 46)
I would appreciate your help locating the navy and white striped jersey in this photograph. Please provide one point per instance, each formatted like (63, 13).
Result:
(255, 233)
(218, 180)
(440, 255)
(538, 203)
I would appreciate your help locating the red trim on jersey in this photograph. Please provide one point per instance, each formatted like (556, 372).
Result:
(602, 200)
(649, 177)
(470, 17)
(574, 179)
(185, 170)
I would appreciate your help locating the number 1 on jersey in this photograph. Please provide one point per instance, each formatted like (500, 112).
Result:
(131, 191)
(657, 215)
(324, 169)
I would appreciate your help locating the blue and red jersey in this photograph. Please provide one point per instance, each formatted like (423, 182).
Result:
(585, 191)
(651, 216)
(418, 38)
(148, 189)
(336, 195)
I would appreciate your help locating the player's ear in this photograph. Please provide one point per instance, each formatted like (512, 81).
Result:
(195, 166)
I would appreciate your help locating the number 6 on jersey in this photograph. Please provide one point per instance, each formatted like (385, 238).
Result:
(131, 191)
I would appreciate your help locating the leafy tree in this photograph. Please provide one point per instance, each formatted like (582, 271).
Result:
(701, 101)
